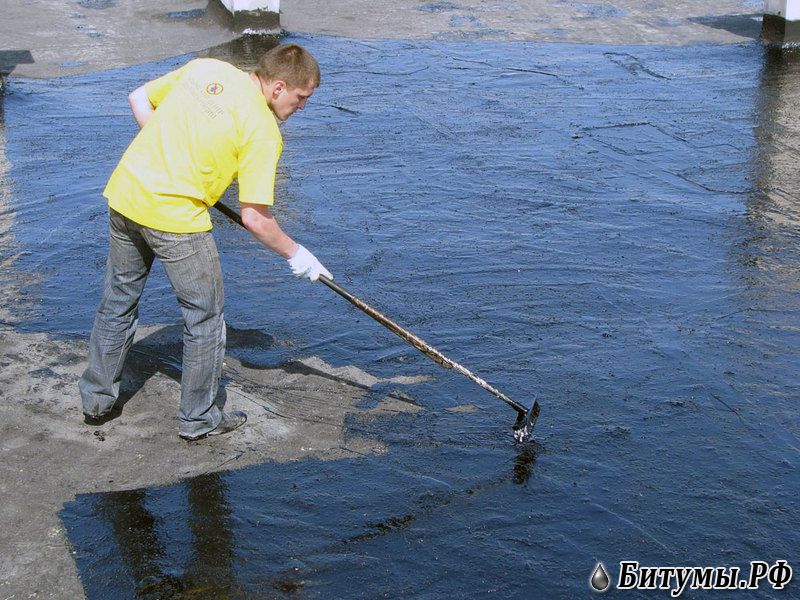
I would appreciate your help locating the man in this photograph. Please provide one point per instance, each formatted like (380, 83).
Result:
(201, 126)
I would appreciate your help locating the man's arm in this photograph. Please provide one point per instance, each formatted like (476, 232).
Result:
(141, 106)
(259, 221)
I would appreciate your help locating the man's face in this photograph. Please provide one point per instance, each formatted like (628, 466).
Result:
(286, 100)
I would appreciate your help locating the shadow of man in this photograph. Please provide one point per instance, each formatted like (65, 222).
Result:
(181, 547)
(161, 352)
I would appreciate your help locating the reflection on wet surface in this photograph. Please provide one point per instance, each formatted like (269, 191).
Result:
(201, 564)
(611, 229)
(308, 528)
(777, 134)
(244, 51)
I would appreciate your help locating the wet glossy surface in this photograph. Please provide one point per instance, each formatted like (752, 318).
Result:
(612, 229)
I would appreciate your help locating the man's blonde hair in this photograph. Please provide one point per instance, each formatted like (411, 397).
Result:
(290, 63)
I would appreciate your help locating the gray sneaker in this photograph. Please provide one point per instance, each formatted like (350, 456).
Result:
(97, 420)
(230, 421)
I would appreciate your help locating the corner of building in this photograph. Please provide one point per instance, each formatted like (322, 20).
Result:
(9, 59)
(251, 16)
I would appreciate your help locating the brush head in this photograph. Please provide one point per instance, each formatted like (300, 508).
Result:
(523, 428)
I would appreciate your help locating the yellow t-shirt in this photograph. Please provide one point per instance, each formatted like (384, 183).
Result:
(211, 124)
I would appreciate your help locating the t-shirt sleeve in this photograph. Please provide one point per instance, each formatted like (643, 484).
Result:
(157, 89)
(258, 162)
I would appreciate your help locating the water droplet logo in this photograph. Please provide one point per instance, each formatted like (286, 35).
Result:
(214, 89)
(599, 580)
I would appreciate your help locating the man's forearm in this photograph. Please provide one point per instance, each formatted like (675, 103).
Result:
(260, 222)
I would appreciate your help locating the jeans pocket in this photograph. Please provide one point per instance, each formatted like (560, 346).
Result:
(170, 246)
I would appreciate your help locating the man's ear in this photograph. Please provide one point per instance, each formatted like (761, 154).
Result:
(278, 87)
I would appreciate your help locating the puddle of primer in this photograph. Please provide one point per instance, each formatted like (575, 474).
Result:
(613, 229)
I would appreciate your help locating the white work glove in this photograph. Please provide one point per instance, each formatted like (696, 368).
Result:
(305, 264)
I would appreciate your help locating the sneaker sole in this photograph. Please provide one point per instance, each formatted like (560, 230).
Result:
(213, 432)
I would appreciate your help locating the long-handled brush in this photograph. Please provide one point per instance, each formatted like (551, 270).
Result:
(526, 417)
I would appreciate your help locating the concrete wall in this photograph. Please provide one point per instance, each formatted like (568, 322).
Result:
(9, 59)
(251, 5)
(788, 9)
(781, 25)
(257, 16)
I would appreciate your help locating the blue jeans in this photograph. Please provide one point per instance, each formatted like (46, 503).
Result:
(191, 262)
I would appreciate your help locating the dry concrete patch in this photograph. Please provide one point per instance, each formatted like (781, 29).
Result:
(50, 455)
(678, 22)
(82, 36)
(462, 408)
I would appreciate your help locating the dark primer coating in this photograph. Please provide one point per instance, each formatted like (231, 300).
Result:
(614, 227)
(526, 417)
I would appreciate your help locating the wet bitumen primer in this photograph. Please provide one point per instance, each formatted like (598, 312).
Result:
(615, 228)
